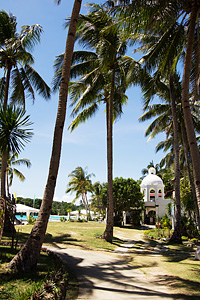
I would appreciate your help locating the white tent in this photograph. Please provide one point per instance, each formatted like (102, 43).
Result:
(21, 208)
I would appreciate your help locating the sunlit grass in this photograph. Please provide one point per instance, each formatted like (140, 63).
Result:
(71, 234)
(174, 266)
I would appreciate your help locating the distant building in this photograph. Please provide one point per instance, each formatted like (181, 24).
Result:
(154, 201)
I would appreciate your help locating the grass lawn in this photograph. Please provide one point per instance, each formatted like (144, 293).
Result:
(21, 286)
(173, 265)
(71, 234)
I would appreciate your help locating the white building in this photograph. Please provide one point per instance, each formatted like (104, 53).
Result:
(155, 204)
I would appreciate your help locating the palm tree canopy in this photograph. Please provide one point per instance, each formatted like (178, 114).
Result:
(92, 70)
(14, 129)
(80, 182)
(11, 170)
(16, 60)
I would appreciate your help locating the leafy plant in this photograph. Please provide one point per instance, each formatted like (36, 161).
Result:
(63, 219)
(30, 220)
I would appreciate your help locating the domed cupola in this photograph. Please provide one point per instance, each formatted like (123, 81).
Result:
(152, 186)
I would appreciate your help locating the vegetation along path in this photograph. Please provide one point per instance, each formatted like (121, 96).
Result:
(110, 276)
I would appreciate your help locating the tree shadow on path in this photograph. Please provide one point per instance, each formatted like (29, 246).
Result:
(105, 277)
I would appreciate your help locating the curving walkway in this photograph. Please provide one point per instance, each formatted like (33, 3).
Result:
(107, 277)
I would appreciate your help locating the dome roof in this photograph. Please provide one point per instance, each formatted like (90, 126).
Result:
(152, 178)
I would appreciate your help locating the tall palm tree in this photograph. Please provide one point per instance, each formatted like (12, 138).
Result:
(11, 169)
(164, 122)
(14, 133)
(101, 78)
(20, 78)
(177, 25)
(27, 257)
(81, 184)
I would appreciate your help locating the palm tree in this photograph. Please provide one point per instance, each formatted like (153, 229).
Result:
(176, 23)
(14, 133)
(151, 164)
(101, 78)
(96, 203)
(27, 257)
(11, 170)
(20, 78)
(81, 184)
(16, 60)
(164, 122)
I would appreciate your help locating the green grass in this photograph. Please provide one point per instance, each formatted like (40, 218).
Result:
(174, 266)
(19, 285)
(71, 234)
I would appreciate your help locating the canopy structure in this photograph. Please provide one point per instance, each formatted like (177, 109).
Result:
(21, 208)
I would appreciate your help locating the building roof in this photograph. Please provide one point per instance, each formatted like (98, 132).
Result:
(21, 208)
(152, 179)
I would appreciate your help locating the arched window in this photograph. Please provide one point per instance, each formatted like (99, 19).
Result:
(152, 195)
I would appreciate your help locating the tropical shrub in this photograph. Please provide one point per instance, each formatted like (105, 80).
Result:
(166, 222)
(31, 220)
(63, 219)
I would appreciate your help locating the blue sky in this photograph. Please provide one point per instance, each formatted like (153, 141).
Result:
(86, 146)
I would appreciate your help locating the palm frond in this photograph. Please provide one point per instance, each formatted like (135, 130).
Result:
(84, 115)
(30, 35)
(39, 84)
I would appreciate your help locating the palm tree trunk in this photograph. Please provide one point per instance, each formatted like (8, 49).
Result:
(7, 184)
(185, 145)
(3, 192)
(88, 208)
(108, 233)
(2, 215)
(4, 163)
(7, 86)
(176, 237)
(27, 257)
(85, 203)
(194, 151)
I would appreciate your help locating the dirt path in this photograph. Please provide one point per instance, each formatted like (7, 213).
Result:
(109, 277)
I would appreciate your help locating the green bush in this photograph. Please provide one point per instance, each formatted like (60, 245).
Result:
(184, 238)
(165, 222)
(63, 219)
(194, 240)
(31, 220)
(158, 233)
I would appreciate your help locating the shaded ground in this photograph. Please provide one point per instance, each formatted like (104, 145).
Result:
(110, 277)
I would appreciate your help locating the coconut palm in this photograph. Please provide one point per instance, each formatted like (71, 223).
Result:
(96, 203)
(20, 78)
(164, 122)
(11, 170)
(14, 133)
(151, 164)
(27, 257)
(101, 78)
(81, 184)
(176, 23)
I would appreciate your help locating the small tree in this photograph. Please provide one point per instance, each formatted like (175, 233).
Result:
(126, 195)
(81, 184)
(14, 133)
